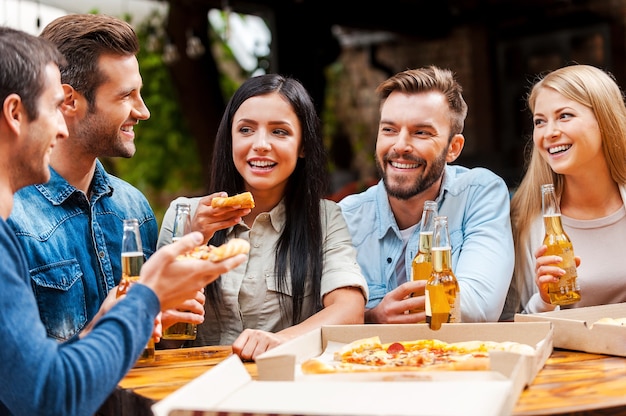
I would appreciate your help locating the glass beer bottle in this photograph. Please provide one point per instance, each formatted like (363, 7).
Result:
(182, 226)
(442, 289)
(422, 266)
(132, 260)
(566, 291)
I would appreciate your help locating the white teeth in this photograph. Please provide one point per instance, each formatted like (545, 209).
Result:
(261, 164)
(129, 128)
(404, 165)
(558, 149)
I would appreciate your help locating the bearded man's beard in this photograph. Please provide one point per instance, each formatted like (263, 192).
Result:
(405, 188)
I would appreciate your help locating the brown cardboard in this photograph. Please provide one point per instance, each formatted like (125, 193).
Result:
(229, 389)
(574, 329)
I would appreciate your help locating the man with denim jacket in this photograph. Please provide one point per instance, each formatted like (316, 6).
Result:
(71, 227)
(420, 132)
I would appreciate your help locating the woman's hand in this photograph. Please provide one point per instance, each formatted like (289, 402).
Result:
(547, 271)
(208, 220)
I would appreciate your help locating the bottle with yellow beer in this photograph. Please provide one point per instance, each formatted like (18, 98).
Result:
(422, 266)
(566, 291)
(443, 298)
(132, 260)
(182, 226)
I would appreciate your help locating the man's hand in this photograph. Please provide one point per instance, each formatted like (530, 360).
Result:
(395, 306)
(175, 281)
(191, 311)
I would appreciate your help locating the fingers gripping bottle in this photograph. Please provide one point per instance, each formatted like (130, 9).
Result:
(566, 291)
(132, 260)
(182, 226)
(442, 289)
(422, 266)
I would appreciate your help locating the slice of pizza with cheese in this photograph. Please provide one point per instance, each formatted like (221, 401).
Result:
(369, 354)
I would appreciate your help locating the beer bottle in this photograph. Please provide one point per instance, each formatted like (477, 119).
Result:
(182, 226)
(422, 266)
(132, 260)
(566, 291)
(442, 289)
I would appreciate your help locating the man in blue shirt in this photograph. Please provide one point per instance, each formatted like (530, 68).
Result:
(71, 227)
(420, 131)
(41, 376)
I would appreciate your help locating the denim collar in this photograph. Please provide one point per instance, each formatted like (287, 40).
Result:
(57, 190)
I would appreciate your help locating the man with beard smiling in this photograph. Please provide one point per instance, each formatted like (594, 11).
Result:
(422, 115)
(72, 226)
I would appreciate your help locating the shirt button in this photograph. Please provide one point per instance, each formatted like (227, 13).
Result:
(101, 254)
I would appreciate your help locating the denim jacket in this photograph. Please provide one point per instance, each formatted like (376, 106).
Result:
(73, 244)
(476, 202)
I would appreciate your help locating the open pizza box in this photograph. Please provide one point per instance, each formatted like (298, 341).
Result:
(280, 389)
(577, 329)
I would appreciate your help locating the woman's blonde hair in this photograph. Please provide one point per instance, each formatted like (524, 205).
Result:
(597, 90)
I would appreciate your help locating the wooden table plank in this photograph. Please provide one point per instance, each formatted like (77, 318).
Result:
(573, 382)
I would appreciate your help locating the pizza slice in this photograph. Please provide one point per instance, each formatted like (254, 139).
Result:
(231, 248)
(369, 354)
(244, 199)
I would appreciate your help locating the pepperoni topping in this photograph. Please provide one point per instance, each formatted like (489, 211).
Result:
(395, 348)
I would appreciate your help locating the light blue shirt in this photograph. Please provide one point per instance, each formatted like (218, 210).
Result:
(476, 202)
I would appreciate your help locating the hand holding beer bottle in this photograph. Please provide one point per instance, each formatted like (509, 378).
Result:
(566, 290)
(422, 266)
(132, 260)
(182, 226)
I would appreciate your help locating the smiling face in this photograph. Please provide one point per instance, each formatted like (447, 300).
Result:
(412, 145)
(566, 134)
(41, 134)
(107, 129)
(267, 141)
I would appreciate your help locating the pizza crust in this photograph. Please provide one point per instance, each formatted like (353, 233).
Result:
(611, 321)
(245, 200)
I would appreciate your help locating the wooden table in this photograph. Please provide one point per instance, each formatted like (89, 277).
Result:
(571, 383)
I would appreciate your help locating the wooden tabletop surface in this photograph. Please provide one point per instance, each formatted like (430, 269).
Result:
(571, 382)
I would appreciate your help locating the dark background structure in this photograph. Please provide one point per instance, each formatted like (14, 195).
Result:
(496, 47)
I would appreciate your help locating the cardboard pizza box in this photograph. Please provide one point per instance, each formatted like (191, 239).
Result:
(228, 389)
(281, 363)
(576, 329)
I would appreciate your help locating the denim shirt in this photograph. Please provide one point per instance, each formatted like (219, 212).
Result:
(73, 244)
(476, 202)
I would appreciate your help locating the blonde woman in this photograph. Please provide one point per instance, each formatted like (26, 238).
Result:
(579, 136)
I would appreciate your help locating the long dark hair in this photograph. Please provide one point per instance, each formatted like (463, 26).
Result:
(299, 247)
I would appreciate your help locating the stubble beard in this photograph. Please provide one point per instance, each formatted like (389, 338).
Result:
(103, 139)
(403, 188)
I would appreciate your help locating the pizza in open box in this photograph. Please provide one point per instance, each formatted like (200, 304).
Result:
(369, 354)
